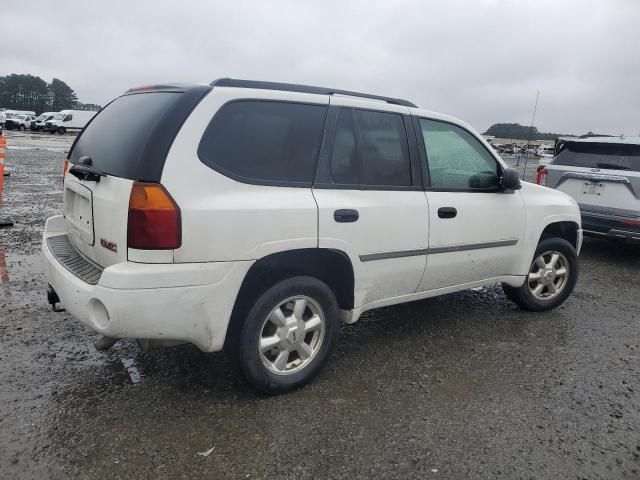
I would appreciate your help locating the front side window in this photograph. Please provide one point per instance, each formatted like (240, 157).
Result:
(456, 159)
(68, 118)
(370, 149)
(264, 141)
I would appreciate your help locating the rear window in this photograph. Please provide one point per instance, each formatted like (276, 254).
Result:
(613, 156)
(116, 138)
(265, 142)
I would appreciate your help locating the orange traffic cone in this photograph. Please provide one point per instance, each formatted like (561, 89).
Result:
(3, 149)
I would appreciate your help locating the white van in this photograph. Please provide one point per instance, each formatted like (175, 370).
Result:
(39, 123)
(69, 120)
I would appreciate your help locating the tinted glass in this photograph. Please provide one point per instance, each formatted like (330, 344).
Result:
(344, 156)
(370, 148)
(383, 149)
(456, 159)
(272, 142)
(116, 137)
(599, 155)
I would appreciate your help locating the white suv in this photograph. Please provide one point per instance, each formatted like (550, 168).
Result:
(256, 216)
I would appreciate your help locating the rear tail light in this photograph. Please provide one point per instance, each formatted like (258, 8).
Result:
(65, 167)
(631, 223)
(154, 218)
(541, 177)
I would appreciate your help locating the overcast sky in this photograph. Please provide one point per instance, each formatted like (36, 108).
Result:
(480, 60)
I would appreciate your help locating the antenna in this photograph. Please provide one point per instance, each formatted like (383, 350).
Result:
(533, 119)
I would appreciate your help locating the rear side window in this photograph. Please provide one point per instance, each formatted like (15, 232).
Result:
(343, 167)
(599, 155)
(370, 149)
(265, 142)
(116, 137)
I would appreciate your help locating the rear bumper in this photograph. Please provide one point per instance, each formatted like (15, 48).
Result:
(178, 302)
(610, 225)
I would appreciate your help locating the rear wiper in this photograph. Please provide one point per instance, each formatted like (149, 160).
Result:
(84, 171)
(612, 166)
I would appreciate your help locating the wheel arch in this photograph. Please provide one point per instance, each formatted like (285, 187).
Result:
(333, 267)
(567, 230)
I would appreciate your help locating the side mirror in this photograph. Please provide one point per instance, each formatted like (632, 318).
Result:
(510, 179)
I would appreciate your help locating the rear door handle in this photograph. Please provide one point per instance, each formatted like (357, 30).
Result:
(447, 212)
(346, 216)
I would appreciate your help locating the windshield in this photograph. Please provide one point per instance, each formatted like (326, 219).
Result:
(58, 116)
(40, 118)
(19, 117)
(613, 156)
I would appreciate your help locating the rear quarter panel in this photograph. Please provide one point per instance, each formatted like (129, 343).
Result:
(226, 220)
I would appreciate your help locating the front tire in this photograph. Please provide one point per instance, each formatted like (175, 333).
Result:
(62, 130)
(551, 279)
(287, 336)
(21, 128)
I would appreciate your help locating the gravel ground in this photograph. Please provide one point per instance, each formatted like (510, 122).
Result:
(462, 386)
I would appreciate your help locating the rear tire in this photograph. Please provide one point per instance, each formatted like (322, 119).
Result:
(287, 335)
(551, 278)
(62, 130)
(21, 128)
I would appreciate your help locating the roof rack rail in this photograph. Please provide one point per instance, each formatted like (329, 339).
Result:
(292, 87)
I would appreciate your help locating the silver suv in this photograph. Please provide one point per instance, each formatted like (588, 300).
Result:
(603, 175)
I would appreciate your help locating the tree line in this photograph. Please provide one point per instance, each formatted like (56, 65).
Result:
(516, 131)
(28, 92)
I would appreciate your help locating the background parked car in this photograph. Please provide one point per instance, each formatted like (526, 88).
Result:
(40, 122)
(69, 120)
(19, 122)
(603, 175)
(8, 114)
(546, 153)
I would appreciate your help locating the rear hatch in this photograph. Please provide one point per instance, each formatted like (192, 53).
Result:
(601, 177)
(127, 141)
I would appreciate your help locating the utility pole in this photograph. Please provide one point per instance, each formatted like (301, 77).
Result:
(533, 119)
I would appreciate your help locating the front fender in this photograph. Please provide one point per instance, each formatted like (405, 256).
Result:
(544, 207)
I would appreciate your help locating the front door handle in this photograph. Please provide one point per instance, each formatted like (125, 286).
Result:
(346, 216)
(447, 212)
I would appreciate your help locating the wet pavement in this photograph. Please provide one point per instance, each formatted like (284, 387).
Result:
(461, 386)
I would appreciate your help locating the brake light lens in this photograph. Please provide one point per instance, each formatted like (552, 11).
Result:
(631, 223)
(541, 177)
(154, 218)
(65, 167)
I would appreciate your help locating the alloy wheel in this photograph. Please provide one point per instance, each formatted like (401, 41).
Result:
(292, 335)
(548, 275)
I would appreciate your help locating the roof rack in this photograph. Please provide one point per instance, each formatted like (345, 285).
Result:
(292, 87)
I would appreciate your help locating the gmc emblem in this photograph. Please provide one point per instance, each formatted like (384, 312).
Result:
(109, 245)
